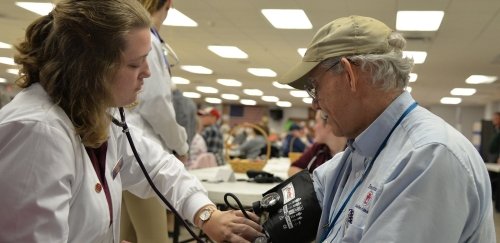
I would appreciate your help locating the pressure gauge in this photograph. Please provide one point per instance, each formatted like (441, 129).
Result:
(270, 200)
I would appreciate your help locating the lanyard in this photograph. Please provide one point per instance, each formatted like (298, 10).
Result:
(381, 147)
(163, 48)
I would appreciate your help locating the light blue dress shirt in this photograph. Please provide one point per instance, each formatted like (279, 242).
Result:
(429, 184)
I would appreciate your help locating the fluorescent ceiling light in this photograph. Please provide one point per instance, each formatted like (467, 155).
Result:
(230, 97)
(284, 104)
(418, 56)
(299, 93)
(253, 92)
(38, 8)
(180, 80)
(4, 45)
(463, 91)
(302, 51)
(451, 100)
(262, 72)
(207, 89)
(413, 77)
(176, 18)
(2, 80)
(196, 69)
(281, 86)
(13, 71)
(7, 60)
(409, 89)
(287, 18)
(481, 79)
(248, 102)
(229, 82)
(268, 98)
(419, 20)
(228, 51)
(192, 95)
(213, 100)
(307, 100)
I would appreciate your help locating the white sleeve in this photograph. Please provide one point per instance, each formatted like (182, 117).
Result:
(37, 171)
(168, 173)
(155, 104)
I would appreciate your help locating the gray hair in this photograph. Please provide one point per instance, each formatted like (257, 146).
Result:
(389, 70)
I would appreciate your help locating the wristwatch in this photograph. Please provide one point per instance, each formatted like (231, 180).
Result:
(205, 215)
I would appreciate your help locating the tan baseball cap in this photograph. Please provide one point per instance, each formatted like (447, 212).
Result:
(344, 36)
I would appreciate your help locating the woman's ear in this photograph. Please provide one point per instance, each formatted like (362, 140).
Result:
(350, 73)
(169, 4)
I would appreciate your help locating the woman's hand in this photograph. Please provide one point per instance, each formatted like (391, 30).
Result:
(232, 226)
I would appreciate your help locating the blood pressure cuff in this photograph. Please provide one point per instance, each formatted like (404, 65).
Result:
(293, 210)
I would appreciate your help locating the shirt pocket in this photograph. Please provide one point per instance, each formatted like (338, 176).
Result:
(355, 220)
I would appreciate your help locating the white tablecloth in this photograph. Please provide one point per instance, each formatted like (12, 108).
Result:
(247, 192)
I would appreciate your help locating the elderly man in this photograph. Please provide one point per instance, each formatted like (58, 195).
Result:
(406, 175)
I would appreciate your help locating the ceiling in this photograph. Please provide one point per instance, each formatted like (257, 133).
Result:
(467, 42)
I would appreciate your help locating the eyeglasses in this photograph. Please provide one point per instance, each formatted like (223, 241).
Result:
(311, 86)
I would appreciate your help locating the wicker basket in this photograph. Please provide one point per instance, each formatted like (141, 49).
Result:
(243, 165)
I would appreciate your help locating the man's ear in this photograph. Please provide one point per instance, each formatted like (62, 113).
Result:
(350, 73)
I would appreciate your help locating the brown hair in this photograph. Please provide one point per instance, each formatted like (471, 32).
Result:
(74, 52)
(153, 5)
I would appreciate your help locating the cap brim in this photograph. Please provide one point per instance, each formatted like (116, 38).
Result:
(297, 76)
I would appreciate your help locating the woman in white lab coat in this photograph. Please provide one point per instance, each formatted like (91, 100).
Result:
(63, 165)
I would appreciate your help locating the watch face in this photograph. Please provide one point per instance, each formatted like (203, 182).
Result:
(205, 215)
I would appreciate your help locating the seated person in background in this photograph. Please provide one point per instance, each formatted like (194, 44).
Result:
(254, 144)
(211, 132)
(326, 144)
(197, 146)
(240, 136)
(293, 141)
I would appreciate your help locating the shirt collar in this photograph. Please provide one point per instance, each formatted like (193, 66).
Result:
(371, 138)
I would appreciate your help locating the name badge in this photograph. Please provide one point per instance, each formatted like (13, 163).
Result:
(117, 168)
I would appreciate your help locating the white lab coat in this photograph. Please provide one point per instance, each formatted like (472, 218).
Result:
(47, 181)
(155, 115)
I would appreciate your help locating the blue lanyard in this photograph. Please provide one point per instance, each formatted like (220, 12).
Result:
(155, 32)
(164, 50)
(339, 212)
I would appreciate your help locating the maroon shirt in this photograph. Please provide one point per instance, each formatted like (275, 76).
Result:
(98, 158)
(317, 154)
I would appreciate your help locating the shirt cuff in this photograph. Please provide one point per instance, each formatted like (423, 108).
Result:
(193, 204)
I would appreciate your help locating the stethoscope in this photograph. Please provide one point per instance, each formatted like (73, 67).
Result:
(124, 126)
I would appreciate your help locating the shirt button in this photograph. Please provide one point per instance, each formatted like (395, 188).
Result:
(98, 187)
